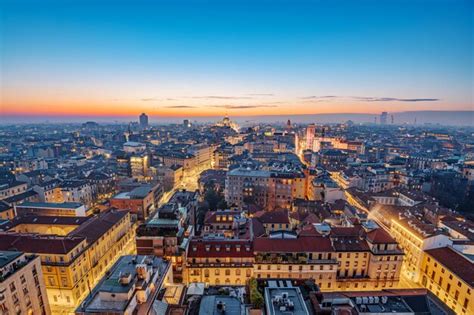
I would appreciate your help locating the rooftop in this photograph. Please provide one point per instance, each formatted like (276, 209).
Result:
(212, 305)
(7, 257)
(283, 301)
(50, 205)
(116, 290)
(455, 262)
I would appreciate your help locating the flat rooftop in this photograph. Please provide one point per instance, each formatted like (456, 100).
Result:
(209, 305)
(50, 205)
(7, 257)
(277, 300)
(111, 284)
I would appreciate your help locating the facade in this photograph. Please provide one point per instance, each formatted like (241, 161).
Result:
(449, 275)
(140, 201)
(7, 212)
(268, 189)
(73, 209)
(219, 262)
(22, 289)
(349, 258)
(12, 188)
(139, 166)
(73, 263)
(77, 191)
(415, 238)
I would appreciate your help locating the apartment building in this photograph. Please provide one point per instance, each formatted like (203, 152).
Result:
(132, 286)
(22, 288)
(267, 188)
(415, 237)
(74, 262)
(449, 275)
(344, 258)
(219, 261)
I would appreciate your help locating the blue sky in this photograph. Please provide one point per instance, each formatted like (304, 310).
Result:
(167, 57)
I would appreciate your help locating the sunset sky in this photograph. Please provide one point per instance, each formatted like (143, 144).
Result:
(202, 58)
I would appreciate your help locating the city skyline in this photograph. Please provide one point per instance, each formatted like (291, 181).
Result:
(201, 59)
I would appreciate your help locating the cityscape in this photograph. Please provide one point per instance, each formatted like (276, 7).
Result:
(236, 158)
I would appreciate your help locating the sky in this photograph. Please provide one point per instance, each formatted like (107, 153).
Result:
(237, 58)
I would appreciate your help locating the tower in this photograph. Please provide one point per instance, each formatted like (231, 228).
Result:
(143, 120)
(310, 131)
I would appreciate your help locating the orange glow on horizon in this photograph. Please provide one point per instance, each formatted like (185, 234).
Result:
(123, 109)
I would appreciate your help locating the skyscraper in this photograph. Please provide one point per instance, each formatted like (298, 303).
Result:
(143, 120)
(383, 118)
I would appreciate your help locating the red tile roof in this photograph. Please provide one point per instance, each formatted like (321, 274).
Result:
(380, 236)
(40, 244)
(271, 217)
(98, 225)
(219, 248)
(454, 262)
(300, 244)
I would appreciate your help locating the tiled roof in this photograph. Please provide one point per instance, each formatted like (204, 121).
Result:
(454, 262)
(220, 248)
(98, 225)
(50, 220)
(269, 217)
(380, 236)
(41, 244)
(300, 244)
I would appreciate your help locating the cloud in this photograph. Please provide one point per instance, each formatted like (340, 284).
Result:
(395, 99)
(216, 97)
(313, 97)
(149, 99)
(180, 106)
(260, 94)
(370, 98)
(242, 106)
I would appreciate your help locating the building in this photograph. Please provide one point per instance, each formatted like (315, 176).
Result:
(171, 175)
(7, 212)
(393, 301)
(73, 262)
(141, 201)
(285, 300)
(131, 286)
(383, 118)
(79, 191)
(219, 261)
(270, 189)
(139, 166)
(310, 133)
(49, 191)
(203, 154)
(11, 188)
(73, 209)
(143, 119)
(166, 234)
(415, 237)
(337, 258)
(449, 275)
(134, 147)
(22, 289)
